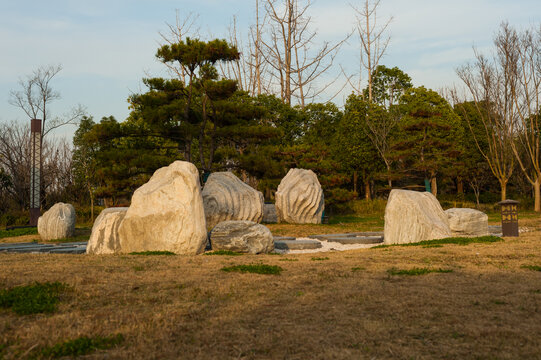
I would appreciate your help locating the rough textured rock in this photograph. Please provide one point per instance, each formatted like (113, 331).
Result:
(104, 238)
(242, 236)
(269, 214)
(467, 222)
(412, 216)
(226, 197)
(299, 198)
(166, 213)
(57, 223)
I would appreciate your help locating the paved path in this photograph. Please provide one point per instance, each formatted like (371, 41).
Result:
(31, 247)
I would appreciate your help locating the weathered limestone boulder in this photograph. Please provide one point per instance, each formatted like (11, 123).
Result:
(242, 236)
(269, 214)
(57, 223)
(467, 222)
(166, 213)
(412, 216)
(299, 198)
(226, 197)
(104, 238)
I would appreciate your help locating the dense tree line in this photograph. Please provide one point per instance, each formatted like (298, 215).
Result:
(389, 134)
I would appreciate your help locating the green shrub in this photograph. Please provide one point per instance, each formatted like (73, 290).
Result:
(33, 299)
(18, 232)
(223, 252)
(255, 268)
(150, 253)
(81, 346)
(532, 267)
(417, 271)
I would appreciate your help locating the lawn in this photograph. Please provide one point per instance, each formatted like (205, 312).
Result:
(457, 301)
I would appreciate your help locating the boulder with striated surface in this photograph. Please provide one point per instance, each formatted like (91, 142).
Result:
(299, 198)
(104, 238)
(57, 223)
(467, 222)
(226, 197)
(412, 216)
(242, 236)
(166, 213)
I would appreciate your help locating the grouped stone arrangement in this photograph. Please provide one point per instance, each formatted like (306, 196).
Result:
(226, 197)
(171, 213)
(58, 222)
(412, 216)
(299, 198)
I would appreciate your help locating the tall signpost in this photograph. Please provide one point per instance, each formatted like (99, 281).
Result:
(35, 171)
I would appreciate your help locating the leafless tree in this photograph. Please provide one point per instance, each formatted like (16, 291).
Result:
(373, 42)
(184, 27)
(35, 96)
(490, 85)
(525, 82)
(287, 50)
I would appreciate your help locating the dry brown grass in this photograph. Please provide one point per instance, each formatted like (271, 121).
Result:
(347, 307)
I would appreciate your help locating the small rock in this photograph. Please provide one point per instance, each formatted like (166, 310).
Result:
(57, 223)
(104, 238)
(242, 236)
(467, 222)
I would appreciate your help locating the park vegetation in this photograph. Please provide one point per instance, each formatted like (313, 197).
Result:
(254, 110)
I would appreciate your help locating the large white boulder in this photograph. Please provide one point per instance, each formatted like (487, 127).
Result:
(104, 238)
(412, 216)
(467, 222)
(299, 198)
(242, 236)
(226, 197)
(57, 223)
(166, 213)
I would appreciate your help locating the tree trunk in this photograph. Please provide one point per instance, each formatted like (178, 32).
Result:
(367, 189)
(459, 186)
(91, 205)
(355, 177)
(503, 187)
(537, 192)
(434, 185)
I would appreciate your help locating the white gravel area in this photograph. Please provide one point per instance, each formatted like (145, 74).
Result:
(326, 246)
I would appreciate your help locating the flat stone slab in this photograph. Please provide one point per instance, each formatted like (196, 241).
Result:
(356, 240)
(282, 238)
(63, 248)
(297, 244)
(344, 235)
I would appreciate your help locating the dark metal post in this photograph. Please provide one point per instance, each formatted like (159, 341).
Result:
(509, 217)
(35, 171)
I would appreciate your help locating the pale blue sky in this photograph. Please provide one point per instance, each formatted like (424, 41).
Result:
(106, 47)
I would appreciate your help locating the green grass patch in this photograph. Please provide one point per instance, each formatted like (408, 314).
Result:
(223, 252)
(355, 269)
(416, 271)
(319, 258)
(532, 267)
(286, 259)
(18, 232)
(32, 299)
(255, 268)
(80, 346)
(150, 253)
(450, 240)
